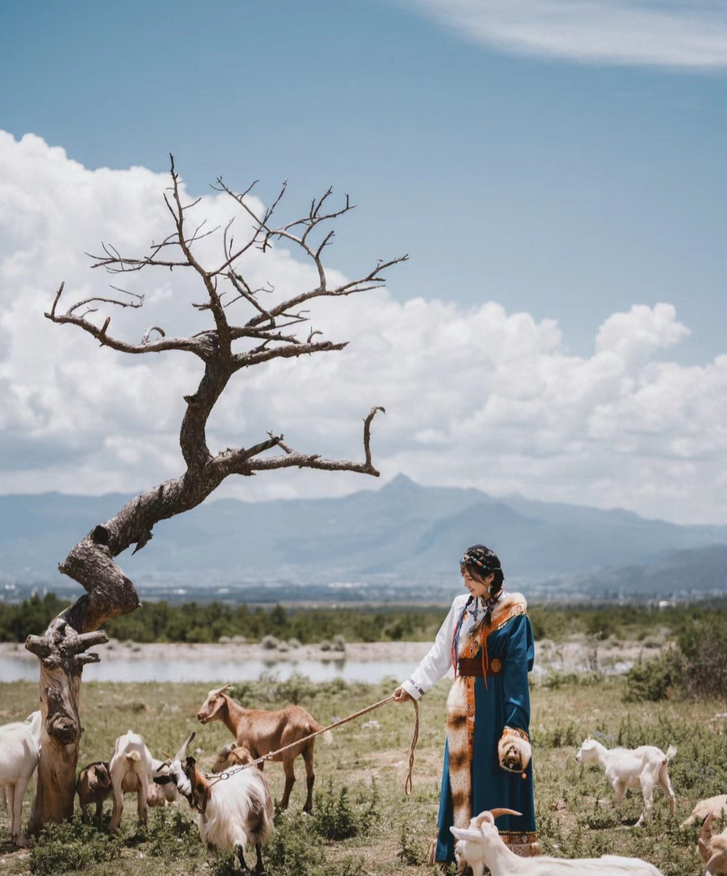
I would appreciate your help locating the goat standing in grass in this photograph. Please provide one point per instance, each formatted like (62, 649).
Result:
(131, 771)
(19, 757)
(644, 767)
(94, 786)
(480, 845)
(261, 731)
(233, 813)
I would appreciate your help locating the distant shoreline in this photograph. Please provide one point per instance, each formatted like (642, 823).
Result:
(361, 652)
(577, 654)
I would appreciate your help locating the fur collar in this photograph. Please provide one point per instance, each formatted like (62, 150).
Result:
(508, 606)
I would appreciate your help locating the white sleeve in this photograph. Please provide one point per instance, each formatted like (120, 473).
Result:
(437, 661)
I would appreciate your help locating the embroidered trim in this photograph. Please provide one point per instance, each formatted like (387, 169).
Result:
(515, 611)
(513, 731)
(415, 686)
(514, 836)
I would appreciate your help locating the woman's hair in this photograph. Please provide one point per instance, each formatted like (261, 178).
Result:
(480, 562)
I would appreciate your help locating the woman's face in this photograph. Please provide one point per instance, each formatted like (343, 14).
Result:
(475, 587)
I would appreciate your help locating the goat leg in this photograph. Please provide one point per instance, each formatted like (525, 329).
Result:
(289, 782)
(259, 866)
(244, 868)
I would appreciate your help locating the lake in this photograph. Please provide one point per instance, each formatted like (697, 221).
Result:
(216, 671)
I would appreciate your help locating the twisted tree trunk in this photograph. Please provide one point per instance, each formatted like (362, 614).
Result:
(109, 592)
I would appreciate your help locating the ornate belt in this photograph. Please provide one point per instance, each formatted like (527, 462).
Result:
(472, 666)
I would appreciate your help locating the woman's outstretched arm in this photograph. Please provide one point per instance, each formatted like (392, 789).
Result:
(437, 661)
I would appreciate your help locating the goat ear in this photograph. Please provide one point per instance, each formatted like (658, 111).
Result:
(222, 690)
(463, 834)
(182, 753)
(191, 761)
(162, 780)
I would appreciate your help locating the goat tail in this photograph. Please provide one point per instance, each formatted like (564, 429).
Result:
(671, 753)
(133, 756)
(315, 727)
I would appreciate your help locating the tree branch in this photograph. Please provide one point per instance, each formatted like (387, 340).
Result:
(191, 345)
(294, 459)
(255, 357)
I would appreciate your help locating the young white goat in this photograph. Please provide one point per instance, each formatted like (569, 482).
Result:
(19, 756)
(480, 845)
(713, 849)
(717, 806)
(131, 770)
(233, 812)
(644, 767)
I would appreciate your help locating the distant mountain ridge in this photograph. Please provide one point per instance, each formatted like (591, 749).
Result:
(406, 534)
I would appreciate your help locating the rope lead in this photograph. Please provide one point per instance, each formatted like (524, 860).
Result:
(408, 784)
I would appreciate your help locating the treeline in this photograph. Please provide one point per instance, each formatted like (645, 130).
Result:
(208, 622)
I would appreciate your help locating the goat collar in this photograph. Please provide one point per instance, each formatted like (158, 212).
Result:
(196, 803)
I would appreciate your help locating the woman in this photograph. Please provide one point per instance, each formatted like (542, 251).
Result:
(488, 640)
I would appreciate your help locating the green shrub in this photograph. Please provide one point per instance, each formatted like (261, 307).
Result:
(69, 847)
(703, 641)
(410, 851)
(270, 642)
(654, 680)
(295, 847)
(334, 817)
(295, 689)
(172, 835)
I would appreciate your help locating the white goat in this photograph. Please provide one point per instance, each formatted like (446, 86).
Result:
(713, 849)
(233, 812)
(644, 767)
(160, 795)
(131, 770)
(480, 845)
(717, 806)
(19, 756)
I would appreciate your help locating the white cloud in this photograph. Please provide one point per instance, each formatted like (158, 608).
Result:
(474, 396)
(639, 32)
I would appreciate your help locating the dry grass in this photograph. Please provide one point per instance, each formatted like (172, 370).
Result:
(575, 805)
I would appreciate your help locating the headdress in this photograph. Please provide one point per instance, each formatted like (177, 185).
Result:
(480, 562)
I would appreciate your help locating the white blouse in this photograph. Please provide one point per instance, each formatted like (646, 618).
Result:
(438, 660)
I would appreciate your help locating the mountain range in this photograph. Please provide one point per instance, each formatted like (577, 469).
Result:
(403, 539)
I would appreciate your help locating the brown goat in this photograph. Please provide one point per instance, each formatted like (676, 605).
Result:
(261, 731)
(232, 755)
(94, 786)
(713, 849)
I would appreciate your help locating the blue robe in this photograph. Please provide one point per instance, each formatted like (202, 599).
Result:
(504, 701)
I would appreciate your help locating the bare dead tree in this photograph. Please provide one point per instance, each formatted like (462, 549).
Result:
(269, 333)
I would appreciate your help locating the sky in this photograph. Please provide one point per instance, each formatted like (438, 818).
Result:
(554, 169)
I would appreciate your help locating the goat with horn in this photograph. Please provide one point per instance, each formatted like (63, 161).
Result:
(480, 845)
(233, 814)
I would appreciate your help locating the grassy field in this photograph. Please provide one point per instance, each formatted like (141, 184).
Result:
(363, 822)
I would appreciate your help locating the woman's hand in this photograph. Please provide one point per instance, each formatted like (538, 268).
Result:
(401, 696)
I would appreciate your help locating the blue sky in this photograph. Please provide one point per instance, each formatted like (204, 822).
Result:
(563, 188)
(521, 153)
